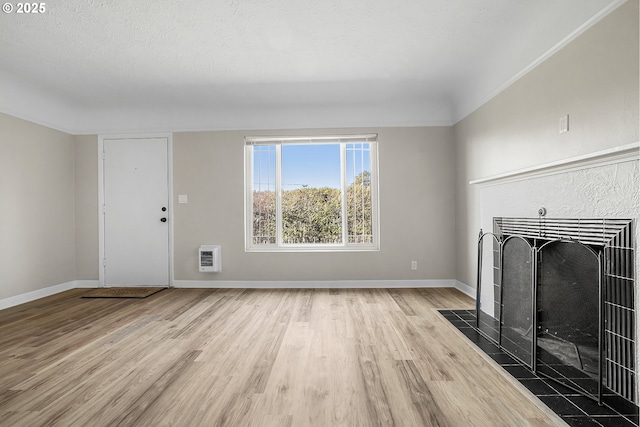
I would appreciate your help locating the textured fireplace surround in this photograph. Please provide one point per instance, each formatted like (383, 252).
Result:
(600, 185)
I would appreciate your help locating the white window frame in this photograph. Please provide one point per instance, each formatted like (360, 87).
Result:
(250, 142)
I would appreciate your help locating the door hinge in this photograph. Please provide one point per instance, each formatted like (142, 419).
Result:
(104, 262)
(103, 155)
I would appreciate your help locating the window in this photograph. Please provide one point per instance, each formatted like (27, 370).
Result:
(311, 194)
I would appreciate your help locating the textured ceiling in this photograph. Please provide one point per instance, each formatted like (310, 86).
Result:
(89, 66)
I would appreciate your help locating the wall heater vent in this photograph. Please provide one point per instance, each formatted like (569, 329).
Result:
(210, 258)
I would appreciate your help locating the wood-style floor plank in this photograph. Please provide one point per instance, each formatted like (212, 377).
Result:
(279, 357)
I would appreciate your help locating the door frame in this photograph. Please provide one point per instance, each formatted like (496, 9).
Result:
(101, 139)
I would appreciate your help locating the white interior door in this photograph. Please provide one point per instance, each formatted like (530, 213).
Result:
(136, 212)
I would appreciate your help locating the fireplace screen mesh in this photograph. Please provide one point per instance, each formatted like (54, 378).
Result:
(568, 314)
(517, 313)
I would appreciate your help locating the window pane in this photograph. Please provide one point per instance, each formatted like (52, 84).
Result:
(264, 194)
(311, 195)
(359, 219)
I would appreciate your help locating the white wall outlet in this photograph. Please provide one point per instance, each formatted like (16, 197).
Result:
(182, 198)
(414, 265)
(564, 124)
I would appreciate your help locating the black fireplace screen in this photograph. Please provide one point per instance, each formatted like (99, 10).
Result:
(565, 300)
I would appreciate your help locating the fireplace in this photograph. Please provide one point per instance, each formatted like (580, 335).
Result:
(564, 300)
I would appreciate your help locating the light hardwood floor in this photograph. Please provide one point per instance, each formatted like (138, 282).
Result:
(203, 357)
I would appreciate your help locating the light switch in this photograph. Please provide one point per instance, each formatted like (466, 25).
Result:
(182, 198)
(564, 124)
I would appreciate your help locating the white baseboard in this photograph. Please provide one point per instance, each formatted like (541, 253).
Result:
(252, 284)
(317, 284)
(34, 295)
(87, 284)
(45, 292)
(465, 289)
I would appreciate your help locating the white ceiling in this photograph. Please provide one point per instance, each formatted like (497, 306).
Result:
(89, 66)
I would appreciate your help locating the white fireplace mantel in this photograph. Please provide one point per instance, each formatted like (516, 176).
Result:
(599, 158)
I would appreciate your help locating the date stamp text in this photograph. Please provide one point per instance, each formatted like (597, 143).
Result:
(25, 8)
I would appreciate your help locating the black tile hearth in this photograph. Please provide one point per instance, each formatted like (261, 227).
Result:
(572, 407)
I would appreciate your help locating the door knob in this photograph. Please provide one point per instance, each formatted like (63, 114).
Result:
(164, 209)
(163, 219)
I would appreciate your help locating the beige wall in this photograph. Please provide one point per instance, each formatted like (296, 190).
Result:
(86, 207)
(416, 210)
(37, 247)
(594, 79)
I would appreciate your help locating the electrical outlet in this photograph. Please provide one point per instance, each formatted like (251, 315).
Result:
(414, 265)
